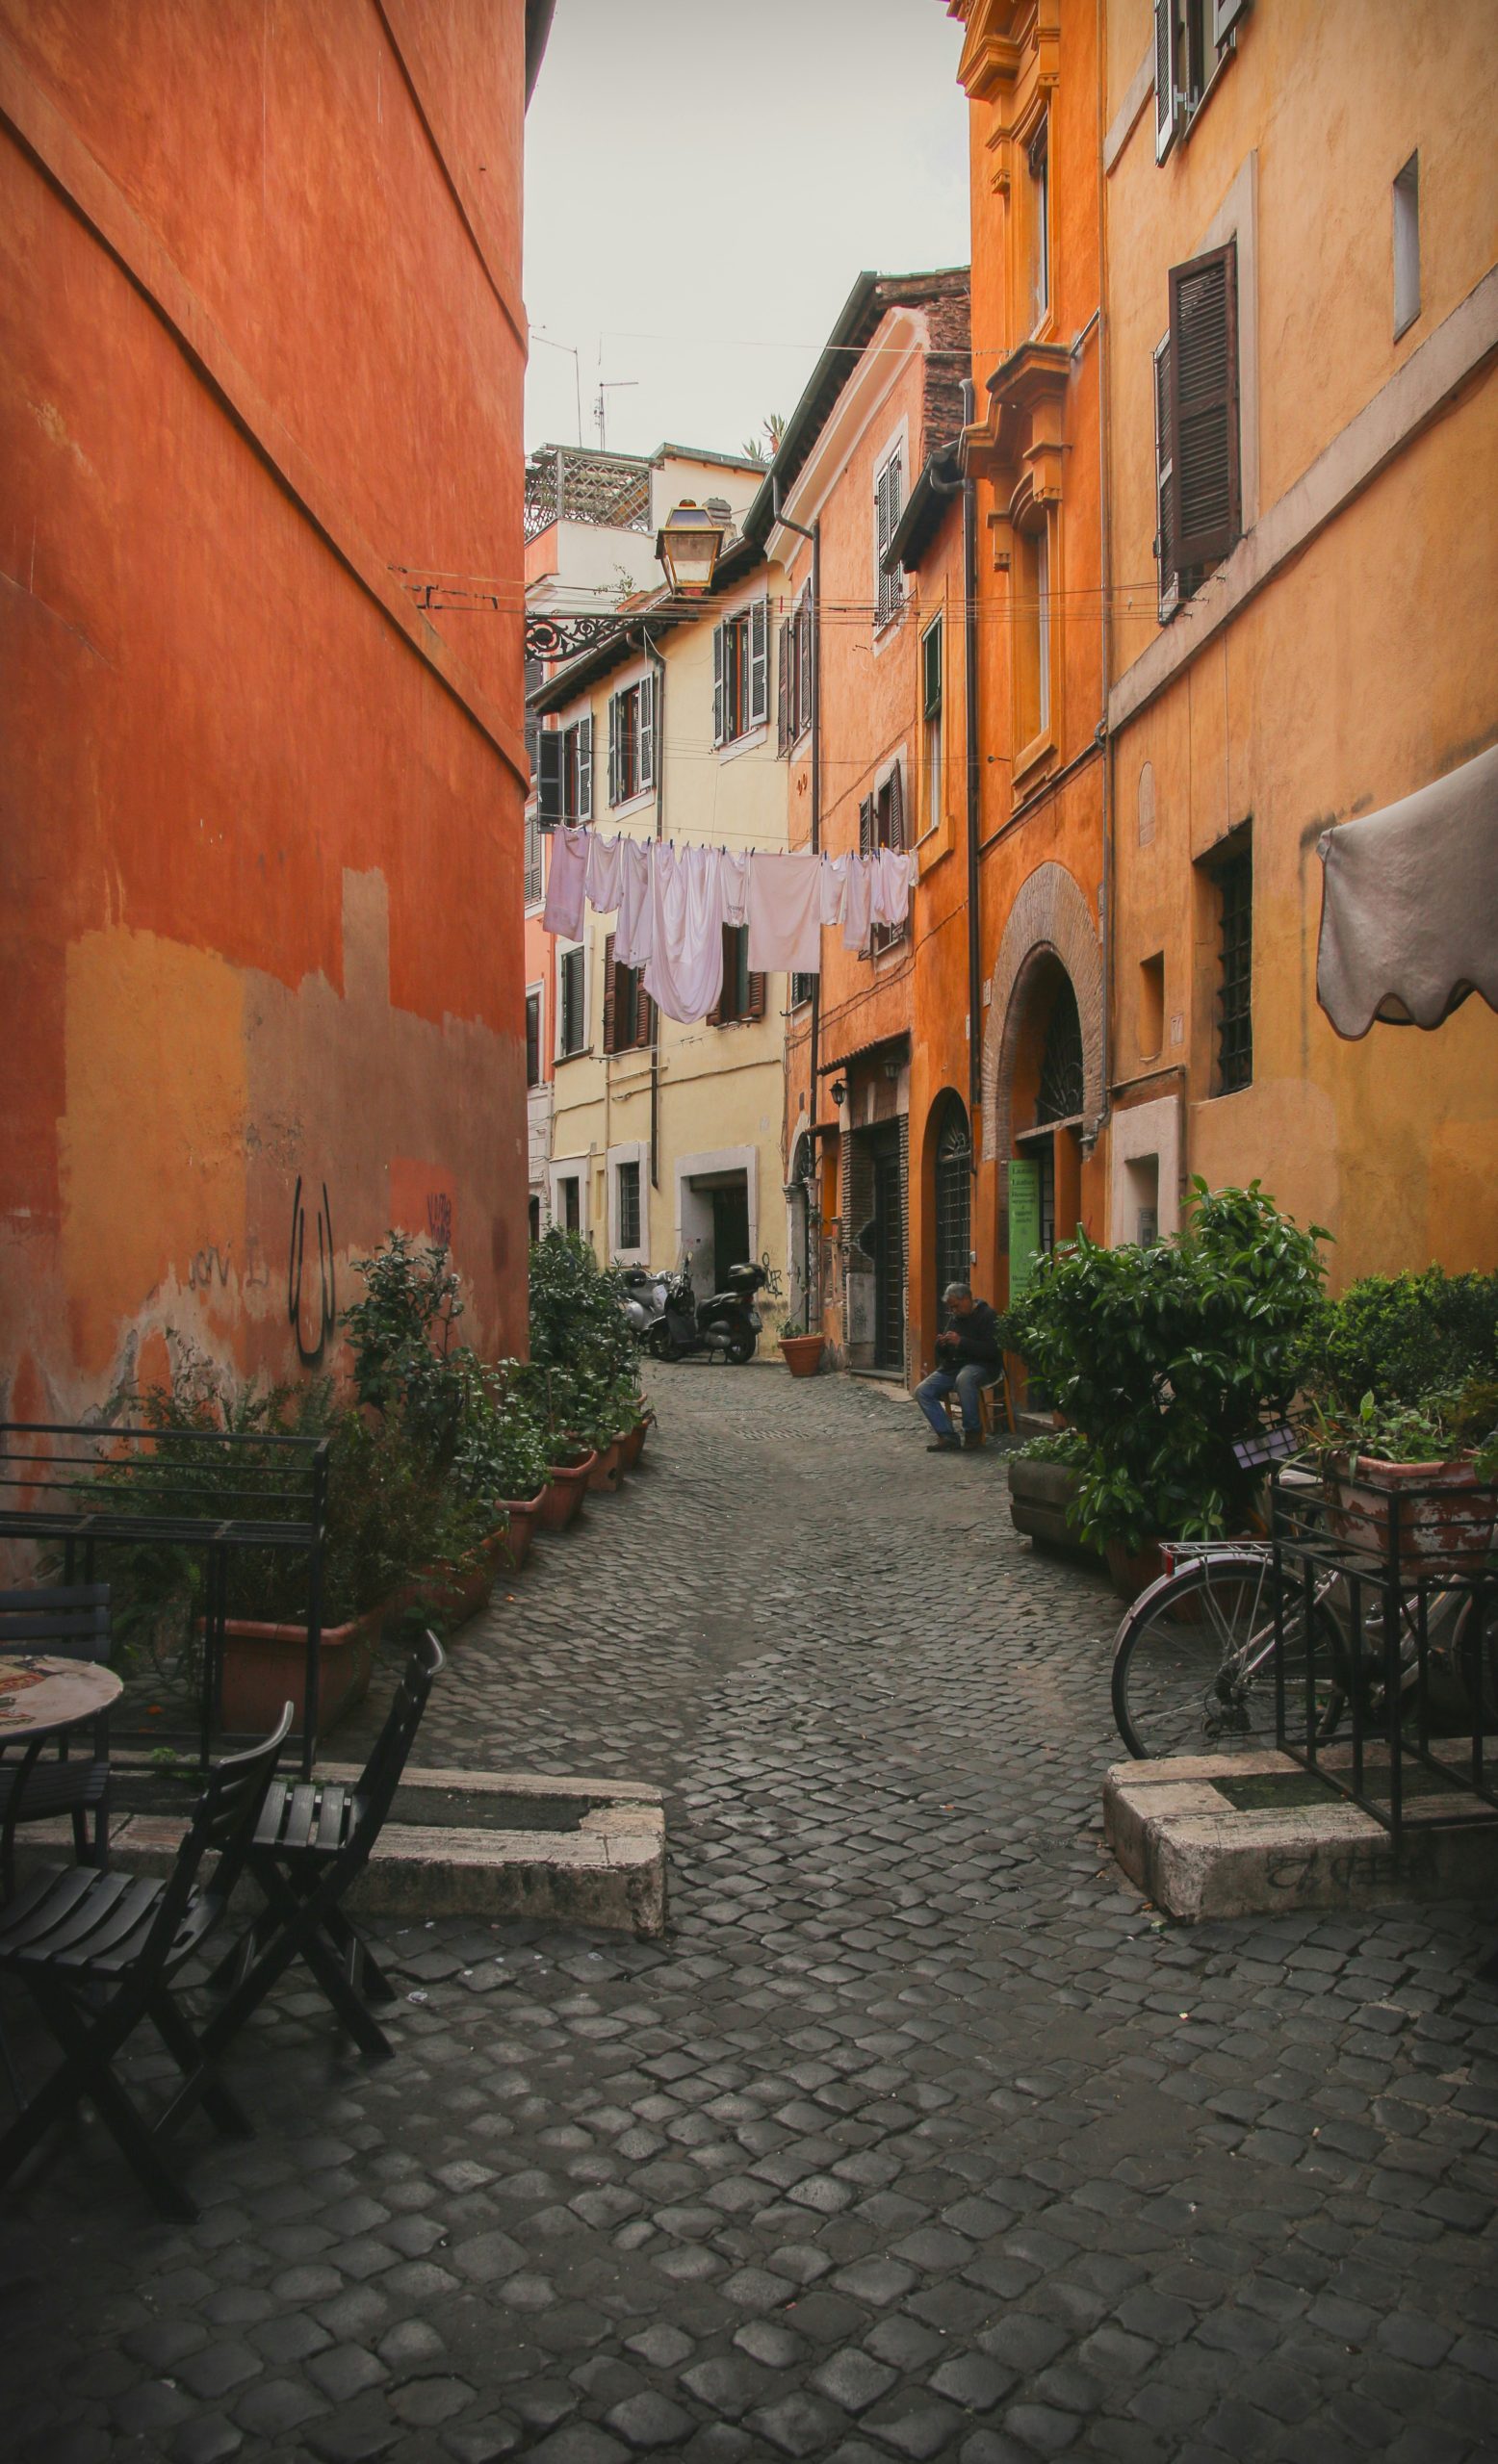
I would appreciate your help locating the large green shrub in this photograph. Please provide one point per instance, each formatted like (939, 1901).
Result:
(1164, 1356)
(1402, 1338)
(584, 1376)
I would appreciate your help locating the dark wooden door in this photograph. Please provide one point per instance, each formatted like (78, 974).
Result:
(889, 1259)
(730, 1232)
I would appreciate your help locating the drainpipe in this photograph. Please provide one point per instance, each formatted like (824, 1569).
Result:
(971, 722)
(657, 662)
(815, 534)
(1104, 733)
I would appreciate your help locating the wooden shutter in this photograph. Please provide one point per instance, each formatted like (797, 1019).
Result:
(1164, 462)
(1166, 76)
(586, 769)
(644, 1017)
(608, 993)
(1204, 396)
(803, 641)
(783, 687)
(754, 1008)
(719, 1009)
(865, 827)
(759, 662)
(613, 748)
(549, 779)
(647, 732)
(717, 683)
(533, 1039)
(1226, 15)
(896, 837)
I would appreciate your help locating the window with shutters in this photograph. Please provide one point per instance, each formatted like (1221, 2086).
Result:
(933, 780)
(626, 1205)
(794, 704)
(889, 505)
(802, 987)
(533, 1038)
(742, 997)
(882, 824)
(1407, 246)
(1038, 162)
(741, 673)
(1198, 483)
(1030, 634)
(569, 1201)
(632, 741)
(627, 1009)
(572, 1023)
(564, 775)
(1194, 40)
(534, 878)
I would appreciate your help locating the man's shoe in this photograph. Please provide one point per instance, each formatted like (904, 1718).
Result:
(973, 1438)
(944, 1445)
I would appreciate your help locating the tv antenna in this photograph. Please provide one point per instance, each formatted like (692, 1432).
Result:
(608, 385)
(539, 336)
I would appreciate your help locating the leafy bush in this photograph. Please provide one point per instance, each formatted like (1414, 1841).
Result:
(1053, 1445)
(1162, 1357)
(584, 1378)
(1402, 1338)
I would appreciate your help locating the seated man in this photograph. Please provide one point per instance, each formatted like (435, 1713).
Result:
(967, 1357)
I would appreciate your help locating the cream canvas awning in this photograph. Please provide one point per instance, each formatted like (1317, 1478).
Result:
(1409, 905)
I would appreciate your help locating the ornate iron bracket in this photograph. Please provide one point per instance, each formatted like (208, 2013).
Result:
(548, 637)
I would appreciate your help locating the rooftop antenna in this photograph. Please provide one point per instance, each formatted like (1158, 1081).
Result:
(577, 370)
(608, 385)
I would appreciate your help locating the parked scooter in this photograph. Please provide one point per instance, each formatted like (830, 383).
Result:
(644, 1302)
(726, 1321)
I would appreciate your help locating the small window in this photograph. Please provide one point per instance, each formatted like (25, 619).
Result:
(1407, 246)
(742, 997)
(881, 823)
(1032, 629)
(1192, 40)
(795, 673)
(564, 778)
(1232, 881)
(931, 724)
(533, 875)
(889, 504)
(535, 1220)
(632, 741)
(1152, 1006)
(741, 673)
(628, 1015)
(628, 1198)
(570, 1188)
(533, 1039)
(572, 1005)
(802, 987)
(1040, 223)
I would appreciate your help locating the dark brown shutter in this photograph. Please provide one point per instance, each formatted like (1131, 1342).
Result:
(896, 837)
(804, 635)
(613, 748)
(608, 993)
(549, 779)
(1165, 80)
(865, 827)
(720, 1011)
(644, 1018)
(1203, 393)
(782, 686)
(754, 1007)
(1163, 464)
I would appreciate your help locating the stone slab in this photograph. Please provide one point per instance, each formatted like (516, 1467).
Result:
(1197, 1857)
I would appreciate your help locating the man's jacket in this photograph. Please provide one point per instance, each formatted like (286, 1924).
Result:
(975, 1338)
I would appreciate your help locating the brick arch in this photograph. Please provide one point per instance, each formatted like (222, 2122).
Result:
(1050, 918)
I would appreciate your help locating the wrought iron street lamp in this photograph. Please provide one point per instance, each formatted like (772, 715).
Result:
(688, 545)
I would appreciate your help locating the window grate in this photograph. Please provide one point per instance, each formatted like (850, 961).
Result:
(629, 1200)
(953, 1197)
(1235, 999)
(1060, 1096)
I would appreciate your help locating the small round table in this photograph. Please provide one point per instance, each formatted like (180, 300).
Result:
(42, 1698)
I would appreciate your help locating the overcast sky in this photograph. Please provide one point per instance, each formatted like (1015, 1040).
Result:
(704, 181)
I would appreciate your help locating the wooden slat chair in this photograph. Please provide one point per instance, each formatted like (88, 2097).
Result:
(312, 1840)
(63, 1623)
(993, 1403)
(98, 1951)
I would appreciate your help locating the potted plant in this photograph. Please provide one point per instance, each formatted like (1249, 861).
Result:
(1044, 1477)
(801, 1348)
(1162, 1357)
(1415, 1484)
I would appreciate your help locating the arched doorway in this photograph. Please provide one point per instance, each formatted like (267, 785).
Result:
(952, 1193)
(1048, 1107)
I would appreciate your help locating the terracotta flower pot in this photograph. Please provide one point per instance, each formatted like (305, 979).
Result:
(562, 1500)
(632, 1446)
(265, 1666)
(1438, 1517)
(803, 1354)
(607, 1470)
(1134, 1570)
(522, 1513)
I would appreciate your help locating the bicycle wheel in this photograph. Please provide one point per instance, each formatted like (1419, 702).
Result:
(1194, 1664)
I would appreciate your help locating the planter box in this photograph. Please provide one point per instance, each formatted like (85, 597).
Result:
(608, 1472)
(1039, 1494)
(803, 1354)
(522, 1513)
(632, 1446)
(1134, 1570)
(265, 1666)
(1438, 1516)
(562, 1500)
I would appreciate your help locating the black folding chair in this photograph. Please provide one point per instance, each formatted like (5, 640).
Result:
(99, 1953)
(312, 1840)
(70, 1623)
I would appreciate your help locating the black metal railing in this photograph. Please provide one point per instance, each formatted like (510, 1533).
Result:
(1399, 1698)
(74, 1491)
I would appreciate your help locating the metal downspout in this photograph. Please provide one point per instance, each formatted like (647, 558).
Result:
(1103, 730)
(815, 534)
(971, 723)
(657, 662)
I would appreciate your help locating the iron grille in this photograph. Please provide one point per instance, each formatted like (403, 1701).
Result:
(1060, 1096)
(953, 1197)
(629, 1206)
(572, 484)
(1235, 999)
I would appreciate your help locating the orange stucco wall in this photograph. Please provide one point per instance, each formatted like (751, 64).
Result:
(262, 906)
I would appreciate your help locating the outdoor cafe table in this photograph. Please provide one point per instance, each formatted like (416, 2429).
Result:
(42, 1698)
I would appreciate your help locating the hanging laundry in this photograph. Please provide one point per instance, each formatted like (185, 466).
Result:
(566, 882)
(856, 901)
(835, 883)
(634, 933)
(603, 874)
(735, 888)
(684, 974)
(889, 897)
(785, 913)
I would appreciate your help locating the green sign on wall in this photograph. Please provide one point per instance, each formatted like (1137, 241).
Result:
(1024, 1224)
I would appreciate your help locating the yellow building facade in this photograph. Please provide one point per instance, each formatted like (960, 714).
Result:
(665, 1141)
(1300, 324)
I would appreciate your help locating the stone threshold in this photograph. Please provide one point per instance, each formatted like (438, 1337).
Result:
(1197, 1856)
(560, 1850)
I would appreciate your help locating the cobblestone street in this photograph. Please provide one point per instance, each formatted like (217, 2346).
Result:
(919, 2135)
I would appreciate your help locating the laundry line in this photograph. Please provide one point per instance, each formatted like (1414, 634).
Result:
(673, 901)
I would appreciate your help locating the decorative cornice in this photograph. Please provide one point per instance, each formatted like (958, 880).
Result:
(1022, 435)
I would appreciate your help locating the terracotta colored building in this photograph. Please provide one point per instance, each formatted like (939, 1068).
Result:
(883, 405)
(261, 988)
(1301, 317)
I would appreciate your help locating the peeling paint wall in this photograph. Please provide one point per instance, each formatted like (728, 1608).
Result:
(260, 822)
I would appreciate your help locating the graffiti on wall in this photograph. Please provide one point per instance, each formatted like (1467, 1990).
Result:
(325, 1310)
(212, 1262)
